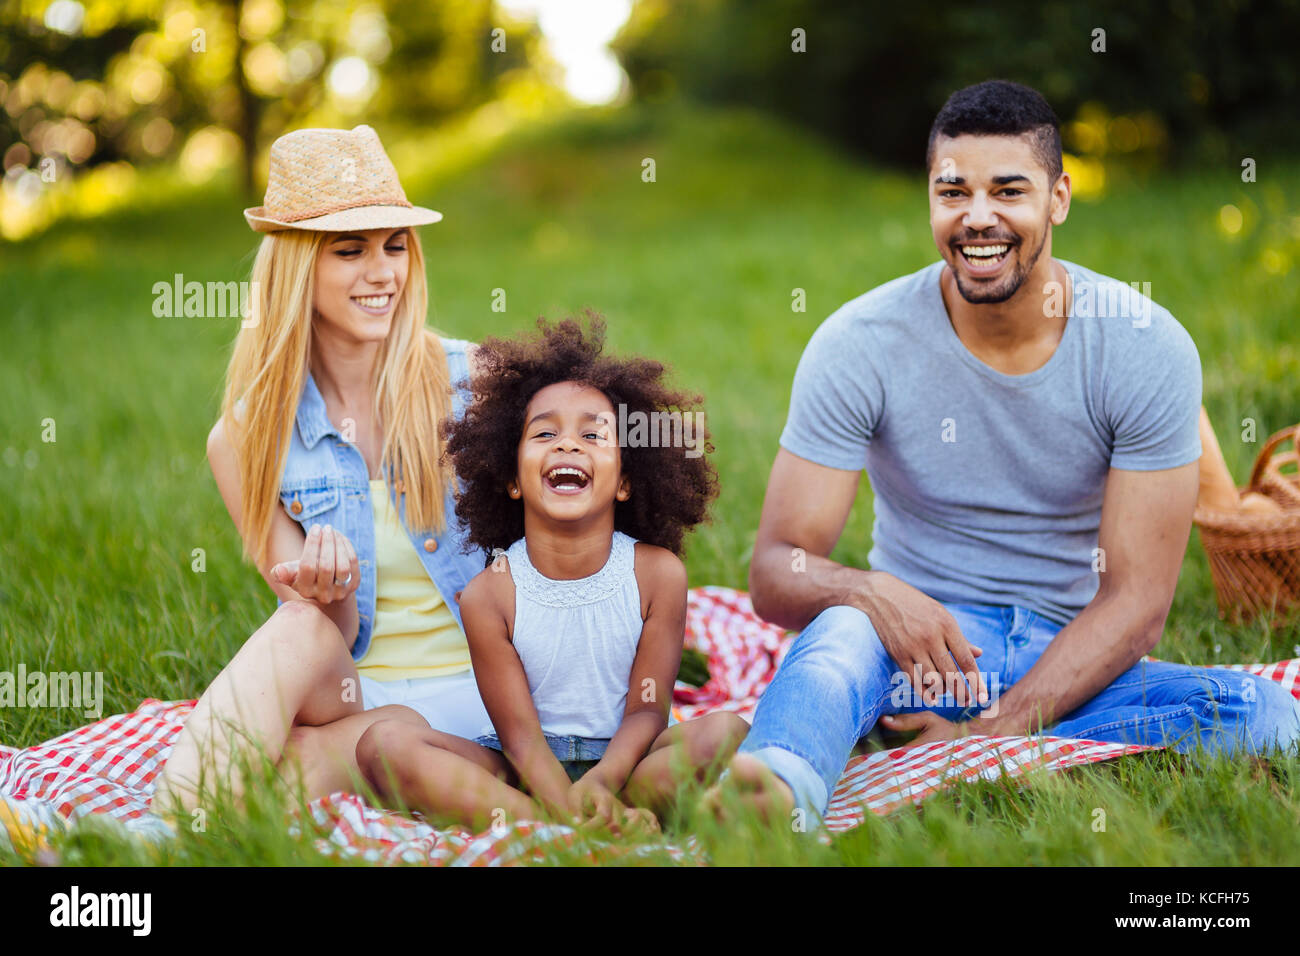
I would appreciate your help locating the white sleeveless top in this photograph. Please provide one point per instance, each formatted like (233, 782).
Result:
(577, 640)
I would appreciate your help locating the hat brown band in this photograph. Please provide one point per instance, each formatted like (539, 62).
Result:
(317, 211)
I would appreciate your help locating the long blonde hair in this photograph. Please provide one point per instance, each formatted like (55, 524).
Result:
(410, 384)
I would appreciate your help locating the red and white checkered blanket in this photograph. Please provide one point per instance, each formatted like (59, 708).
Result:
(109, 767)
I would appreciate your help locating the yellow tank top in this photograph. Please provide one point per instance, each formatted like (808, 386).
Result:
(414, 634)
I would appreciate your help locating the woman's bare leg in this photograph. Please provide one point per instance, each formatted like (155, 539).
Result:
(442, 776)
(295, 669)
(323, 760)
(695, 749)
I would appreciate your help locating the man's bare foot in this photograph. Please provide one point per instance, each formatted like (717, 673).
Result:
(750, 784)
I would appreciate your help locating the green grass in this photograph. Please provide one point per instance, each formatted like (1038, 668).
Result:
(696, 269)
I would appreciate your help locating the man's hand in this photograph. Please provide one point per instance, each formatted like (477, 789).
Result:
(792, 579)
(1146, 517)
(922, 637)
(932, 727)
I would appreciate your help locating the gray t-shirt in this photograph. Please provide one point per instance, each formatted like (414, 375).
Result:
(988, 487)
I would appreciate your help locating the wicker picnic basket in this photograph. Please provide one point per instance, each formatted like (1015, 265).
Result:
(1255, 558)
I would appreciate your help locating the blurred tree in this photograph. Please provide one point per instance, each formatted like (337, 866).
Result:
(1214, 77)
(84, 83)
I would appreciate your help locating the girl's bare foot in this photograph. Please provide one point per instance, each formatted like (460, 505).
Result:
(750, 784)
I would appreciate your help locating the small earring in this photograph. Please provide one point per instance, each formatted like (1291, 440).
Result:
(512, 490)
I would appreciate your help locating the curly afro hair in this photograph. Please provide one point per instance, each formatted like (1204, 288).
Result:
(671, 491)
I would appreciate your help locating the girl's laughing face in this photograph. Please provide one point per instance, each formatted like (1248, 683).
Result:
(569, 461)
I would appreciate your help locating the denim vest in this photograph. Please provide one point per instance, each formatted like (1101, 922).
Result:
(326, 481)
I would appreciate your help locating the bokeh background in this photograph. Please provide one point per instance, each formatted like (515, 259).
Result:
(94, 92)
(786, 140)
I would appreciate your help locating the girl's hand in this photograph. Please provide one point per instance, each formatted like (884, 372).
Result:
(596, 805)
(328, 570)
(591, 800)
(639, 820)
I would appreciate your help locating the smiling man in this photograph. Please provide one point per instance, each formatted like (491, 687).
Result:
(1030, 431)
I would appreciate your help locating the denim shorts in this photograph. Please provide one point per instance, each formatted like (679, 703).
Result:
(576, 755)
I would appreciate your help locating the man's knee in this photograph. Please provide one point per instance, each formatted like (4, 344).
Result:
(1250, 711)
(841, 644)
(842, 624)
(1274, 717)
(842, 632)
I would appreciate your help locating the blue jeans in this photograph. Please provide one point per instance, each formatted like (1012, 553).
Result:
(838, 679)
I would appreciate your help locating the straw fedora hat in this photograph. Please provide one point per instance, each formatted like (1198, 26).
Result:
(332, 180)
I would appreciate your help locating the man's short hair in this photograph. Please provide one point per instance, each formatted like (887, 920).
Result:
(1001, 108)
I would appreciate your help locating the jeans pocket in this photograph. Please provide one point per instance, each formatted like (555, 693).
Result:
(1215, 702)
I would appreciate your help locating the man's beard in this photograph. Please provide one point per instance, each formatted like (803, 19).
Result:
(985, 294)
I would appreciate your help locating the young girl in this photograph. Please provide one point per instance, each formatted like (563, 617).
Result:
(575, 627)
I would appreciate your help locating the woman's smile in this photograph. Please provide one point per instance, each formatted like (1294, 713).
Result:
(374, 304)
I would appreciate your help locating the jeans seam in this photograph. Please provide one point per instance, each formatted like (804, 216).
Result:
(1187, 710)
(1008, 661)
(1145, 679)
(1026, 623)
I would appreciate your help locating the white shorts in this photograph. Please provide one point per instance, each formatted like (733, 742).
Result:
(450, 704)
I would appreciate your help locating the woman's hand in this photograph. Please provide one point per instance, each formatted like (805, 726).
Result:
(328, 570)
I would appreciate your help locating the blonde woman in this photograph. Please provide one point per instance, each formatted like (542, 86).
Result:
(327, 455)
